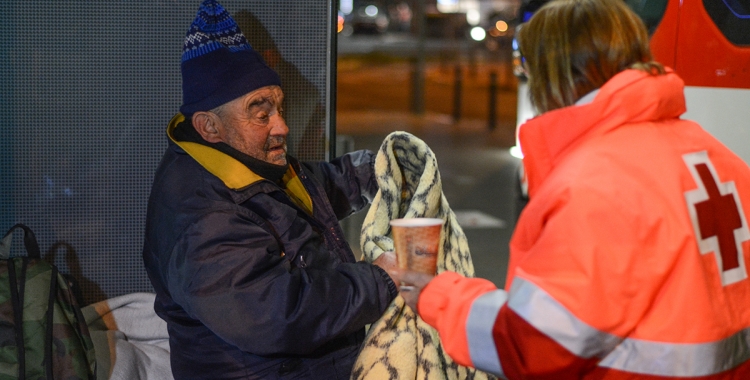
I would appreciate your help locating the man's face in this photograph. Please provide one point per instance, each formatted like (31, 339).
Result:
(254, 125)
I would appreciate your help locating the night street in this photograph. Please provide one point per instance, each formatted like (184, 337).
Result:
(477, 171)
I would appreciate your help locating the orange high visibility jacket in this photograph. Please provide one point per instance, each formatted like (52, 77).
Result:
(629, 261)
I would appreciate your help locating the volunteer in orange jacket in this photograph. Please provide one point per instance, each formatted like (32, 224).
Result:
(630, 259)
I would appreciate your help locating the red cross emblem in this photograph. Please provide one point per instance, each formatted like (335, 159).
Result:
(718, 220)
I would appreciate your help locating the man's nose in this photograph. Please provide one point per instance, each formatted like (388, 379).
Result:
(279, 127)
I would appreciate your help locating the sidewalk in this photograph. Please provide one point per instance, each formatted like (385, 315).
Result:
(373, 97)
(430, 125)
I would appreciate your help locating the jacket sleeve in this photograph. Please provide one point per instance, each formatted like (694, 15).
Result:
(478, 329)
(348, 180)
(583, 285)
(231, 275)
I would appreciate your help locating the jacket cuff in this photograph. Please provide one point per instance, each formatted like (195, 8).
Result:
(392, 289)
(434, 296)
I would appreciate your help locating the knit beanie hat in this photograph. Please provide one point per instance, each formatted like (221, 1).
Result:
(218, 65)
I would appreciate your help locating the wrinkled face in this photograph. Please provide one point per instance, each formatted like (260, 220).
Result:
(254, 124)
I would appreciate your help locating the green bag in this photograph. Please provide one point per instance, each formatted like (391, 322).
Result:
(42, 332)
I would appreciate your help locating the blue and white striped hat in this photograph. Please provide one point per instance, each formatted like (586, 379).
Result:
(218, 64)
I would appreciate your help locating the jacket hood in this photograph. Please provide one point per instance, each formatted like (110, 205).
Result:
(632, 96)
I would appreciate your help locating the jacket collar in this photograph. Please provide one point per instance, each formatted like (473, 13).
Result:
(233, 173)
(631, 96)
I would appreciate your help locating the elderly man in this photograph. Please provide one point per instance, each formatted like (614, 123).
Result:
(243, 245)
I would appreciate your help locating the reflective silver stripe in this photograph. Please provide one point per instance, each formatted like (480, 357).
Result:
(552, 319)
(629, 355)
(479, 324)
(680, 359)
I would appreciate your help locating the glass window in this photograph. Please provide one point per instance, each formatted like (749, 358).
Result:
(650, 11)
(732, 17)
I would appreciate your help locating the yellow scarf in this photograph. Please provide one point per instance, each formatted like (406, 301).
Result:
(235, 174)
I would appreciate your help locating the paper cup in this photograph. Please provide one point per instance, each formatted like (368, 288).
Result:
(417, 242)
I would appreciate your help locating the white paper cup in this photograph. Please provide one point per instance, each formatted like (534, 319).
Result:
(417, 242)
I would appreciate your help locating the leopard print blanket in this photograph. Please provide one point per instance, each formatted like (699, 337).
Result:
(400, 345)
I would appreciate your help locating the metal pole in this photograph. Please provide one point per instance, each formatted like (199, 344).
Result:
(457, 78)
(418, 63)
(493, 101)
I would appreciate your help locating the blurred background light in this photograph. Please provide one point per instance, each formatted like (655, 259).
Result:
(501, 26)
(346, 6)
(371, 10)
(447, 6)
(515, 151)
(473, 16)
(478, 33)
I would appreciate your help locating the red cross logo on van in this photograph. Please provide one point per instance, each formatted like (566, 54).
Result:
(718, 219)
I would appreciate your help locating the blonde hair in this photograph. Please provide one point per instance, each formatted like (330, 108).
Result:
(572, 47)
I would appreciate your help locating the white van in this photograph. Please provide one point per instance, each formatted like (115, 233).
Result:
(707, 42)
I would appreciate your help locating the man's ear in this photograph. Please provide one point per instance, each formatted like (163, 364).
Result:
(207, 124)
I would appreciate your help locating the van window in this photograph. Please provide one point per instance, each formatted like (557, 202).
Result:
(732, 17)
(651, 11)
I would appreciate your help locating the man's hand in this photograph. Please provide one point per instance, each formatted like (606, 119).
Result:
(387, 261)
(413, 283)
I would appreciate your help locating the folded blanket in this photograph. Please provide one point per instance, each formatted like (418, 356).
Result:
(131, 341)
(400, 345)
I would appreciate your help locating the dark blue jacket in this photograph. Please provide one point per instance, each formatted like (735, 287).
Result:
(250, 284)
